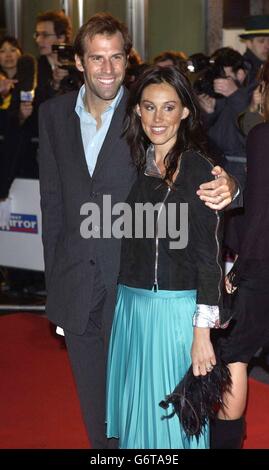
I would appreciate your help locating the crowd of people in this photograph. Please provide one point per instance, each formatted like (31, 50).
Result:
(137, 307)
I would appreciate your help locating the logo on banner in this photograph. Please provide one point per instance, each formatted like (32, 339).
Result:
(24, 223)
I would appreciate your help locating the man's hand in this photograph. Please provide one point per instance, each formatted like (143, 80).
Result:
(58, 74)
(218, 193)
(225, 86)
(207, 103)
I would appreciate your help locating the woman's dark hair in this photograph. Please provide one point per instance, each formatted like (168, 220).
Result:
(12, 41)
(190, 134)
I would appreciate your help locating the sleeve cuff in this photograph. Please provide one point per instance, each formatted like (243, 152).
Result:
(237, 193)
(206, 316)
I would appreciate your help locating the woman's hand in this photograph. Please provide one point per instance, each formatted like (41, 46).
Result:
(26, 109)
(228, 285)
(202, 352)
(256, 101)
(6, 85)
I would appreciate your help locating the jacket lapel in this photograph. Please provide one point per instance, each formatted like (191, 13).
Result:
(76, 143)
(111, 139)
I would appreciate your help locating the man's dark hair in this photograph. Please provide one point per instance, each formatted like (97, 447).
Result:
(101, 23)
(61, 22)
(228, 57)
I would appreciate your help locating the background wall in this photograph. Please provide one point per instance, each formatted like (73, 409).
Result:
(176, 24)
(172, 24)
(187, 25)
(115, 7)
(30, 10)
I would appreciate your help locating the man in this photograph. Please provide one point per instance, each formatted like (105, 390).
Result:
(52, 28)
(83, 156)
(256, 37)
(230, 96)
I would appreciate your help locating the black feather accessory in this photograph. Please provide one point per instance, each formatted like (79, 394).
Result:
(196, 400)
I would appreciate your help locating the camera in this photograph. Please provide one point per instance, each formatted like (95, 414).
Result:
(198, 62)
(205, 70)
(210, 69)
(65, 55)
(204, 83)
(66, 59)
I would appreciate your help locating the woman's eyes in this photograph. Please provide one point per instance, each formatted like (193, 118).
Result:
(168, 108)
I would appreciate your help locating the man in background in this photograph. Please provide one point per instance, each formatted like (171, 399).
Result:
(256, 37)
(52, 28)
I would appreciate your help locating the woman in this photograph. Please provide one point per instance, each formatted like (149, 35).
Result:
(10, 52)
(250, 274)
(168, 295)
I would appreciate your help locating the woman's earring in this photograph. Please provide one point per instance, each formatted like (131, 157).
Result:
(137, 110)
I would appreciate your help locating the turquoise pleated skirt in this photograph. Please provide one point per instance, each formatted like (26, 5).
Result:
(149, 353)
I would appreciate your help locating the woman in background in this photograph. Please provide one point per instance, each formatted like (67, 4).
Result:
(250, 275)
(10, 52)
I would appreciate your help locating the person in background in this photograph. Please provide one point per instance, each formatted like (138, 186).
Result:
(229, 96)
(83, 156)
(134, 68)
(248, 280)
(10, 52)
(255, 113)
(16, 159)
(256, 38)
(167, 58)
(52, 27)
(169, 297)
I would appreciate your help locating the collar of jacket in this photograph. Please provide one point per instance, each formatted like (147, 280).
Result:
(152, 168)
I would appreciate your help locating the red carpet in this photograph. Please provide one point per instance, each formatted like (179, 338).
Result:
(39, 408)
(257, 416)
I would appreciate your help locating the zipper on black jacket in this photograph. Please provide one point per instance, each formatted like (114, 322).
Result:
(155, 285)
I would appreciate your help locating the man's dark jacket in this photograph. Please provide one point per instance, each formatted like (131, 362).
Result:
(66, 185)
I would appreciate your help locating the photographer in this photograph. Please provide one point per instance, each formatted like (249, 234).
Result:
(223, 94)
(53, 28)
